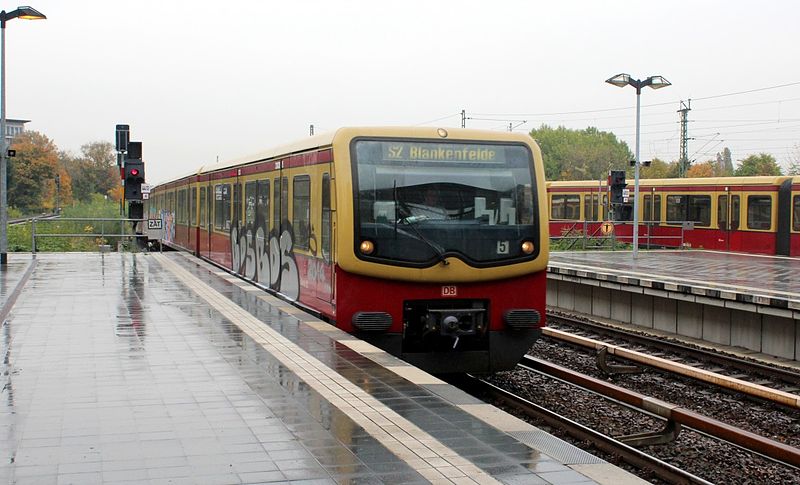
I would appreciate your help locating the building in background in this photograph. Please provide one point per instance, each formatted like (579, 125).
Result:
(14, 128)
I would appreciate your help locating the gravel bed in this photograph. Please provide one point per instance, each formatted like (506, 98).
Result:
(702, 456)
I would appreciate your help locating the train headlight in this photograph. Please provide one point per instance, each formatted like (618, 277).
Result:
(527, 247)
(367, 247)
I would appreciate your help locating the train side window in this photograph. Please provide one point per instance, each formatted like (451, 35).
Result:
(796, 213)
(699, 209)
(211, 203)
(203, 203)
(237, 203)
(301, 210)
(218, 222)
(759, 212)
(676, 209)
(566, 207)
(588, 208)
(326, 216)
(284, 198)
(652, 208)
(722, 212)
(695, 208)
(181, 215)
(262, 204)
(249, 203)
(276, 204)
(193, 206)
(591, 211)
(222, 207)
(734, 212)
(596, 207)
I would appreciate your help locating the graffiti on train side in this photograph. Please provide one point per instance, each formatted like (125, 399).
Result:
(266, 258)
(168, 225)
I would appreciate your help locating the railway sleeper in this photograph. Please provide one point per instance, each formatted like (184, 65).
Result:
(670, 432)
(610, 369)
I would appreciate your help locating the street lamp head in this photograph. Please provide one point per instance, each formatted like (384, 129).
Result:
(30, 13)
(620, 80)
(25, 13)
(657, 82)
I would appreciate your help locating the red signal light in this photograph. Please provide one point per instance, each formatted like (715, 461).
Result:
(134, 171)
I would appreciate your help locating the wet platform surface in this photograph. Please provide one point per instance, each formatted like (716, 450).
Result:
(766, 280)
(148, 368)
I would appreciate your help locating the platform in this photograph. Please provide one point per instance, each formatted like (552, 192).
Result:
(749, 302)
(158, 368)
(765, 280)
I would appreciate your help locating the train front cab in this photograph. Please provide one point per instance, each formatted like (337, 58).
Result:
(456, 285)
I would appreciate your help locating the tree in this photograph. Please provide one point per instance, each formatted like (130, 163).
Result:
(580, 154)
(35, 164)
(659, 169)
(706, 169)
(58, 195)
(94, 172)
(794, 161)
(761, 164)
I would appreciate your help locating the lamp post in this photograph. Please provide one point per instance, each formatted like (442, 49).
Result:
(654, 82)
(26, 13)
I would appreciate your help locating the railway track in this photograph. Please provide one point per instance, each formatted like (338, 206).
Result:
(774, 383)
(671, 455)
(634, 457)
(23, 220)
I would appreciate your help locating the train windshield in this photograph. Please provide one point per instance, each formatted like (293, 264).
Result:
(419, 202)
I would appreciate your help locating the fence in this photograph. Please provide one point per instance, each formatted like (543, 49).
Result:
(588, 235)
(104, 231)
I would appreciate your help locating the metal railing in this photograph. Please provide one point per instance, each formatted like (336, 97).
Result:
(124, 230)
(602, 235)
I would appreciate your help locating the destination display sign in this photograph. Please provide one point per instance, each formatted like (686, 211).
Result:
(442, 152)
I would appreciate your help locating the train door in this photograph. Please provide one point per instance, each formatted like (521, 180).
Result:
(326, 283)
(210, 196)
(728, 213)
(194, 234)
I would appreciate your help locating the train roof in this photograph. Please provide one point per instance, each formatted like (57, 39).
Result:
(327, 139)
(762, 180)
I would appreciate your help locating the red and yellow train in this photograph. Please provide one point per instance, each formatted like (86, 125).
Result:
(742, 214)
(429, 243)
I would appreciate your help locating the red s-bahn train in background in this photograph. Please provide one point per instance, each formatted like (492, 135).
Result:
(743, 214)
(429, 243)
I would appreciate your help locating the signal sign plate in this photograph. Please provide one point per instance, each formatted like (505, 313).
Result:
(154, 223)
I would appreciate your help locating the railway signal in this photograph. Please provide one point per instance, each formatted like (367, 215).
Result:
(616, 180)
(134, 178)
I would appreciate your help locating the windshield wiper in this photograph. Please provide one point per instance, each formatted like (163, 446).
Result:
(410, 221)
(436, 248)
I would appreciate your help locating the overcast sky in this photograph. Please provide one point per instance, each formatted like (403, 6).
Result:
(197, 80)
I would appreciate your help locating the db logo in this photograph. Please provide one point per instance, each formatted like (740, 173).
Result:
(449, 291)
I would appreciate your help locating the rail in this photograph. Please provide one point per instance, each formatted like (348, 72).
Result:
(672, 413)
(118, 228)
(790, 377)
(627, 453)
